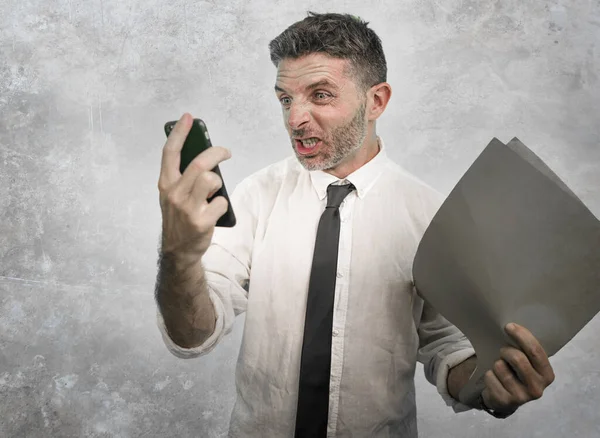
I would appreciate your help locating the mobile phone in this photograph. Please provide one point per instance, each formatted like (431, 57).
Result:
(198, 141)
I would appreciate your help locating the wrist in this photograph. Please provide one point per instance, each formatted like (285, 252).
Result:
(179, 263)
(459, 375)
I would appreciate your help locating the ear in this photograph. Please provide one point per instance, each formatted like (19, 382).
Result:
(377, 99)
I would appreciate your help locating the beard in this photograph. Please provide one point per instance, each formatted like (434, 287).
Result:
(343, 141)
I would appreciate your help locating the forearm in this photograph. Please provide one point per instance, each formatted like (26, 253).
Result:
(184, 302)
(459, 375)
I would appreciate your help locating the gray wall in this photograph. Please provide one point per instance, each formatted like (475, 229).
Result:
(85, 88)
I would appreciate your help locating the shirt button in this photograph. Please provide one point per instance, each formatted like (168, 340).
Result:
(339, 274)
(335, 333)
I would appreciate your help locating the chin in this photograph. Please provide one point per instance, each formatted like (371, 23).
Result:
(310, 163)
(314, 163)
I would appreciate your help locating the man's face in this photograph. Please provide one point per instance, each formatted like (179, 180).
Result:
(320, 102)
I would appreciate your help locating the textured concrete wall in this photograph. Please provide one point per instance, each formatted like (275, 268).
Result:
(85, 88)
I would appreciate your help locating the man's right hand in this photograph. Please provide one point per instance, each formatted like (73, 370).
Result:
(188, 218)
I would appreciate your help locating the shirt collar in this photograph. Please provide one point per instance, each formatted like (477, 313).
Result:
(363, 178)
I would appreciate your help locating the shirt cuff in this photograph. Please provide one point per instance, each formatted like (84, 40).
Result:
(206, 346)
(448, 362)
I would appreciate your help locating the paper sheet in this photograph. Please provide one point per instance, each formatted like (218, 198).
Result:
(511, 243)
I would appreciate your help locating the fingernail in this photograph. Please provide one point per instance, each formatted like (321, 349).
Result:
(511, 326)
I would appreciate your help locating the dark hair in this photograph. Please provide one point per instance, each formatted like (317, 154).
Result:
(338, 35)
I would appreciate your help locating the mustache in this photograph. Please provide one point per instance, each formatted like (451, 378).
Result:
(296, 134)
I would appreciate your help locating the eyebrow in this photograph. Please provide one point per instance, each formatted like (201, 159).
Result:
(321, 83)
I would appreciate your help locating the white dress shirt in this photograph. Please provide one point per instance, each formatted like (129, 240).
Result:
(381, 325)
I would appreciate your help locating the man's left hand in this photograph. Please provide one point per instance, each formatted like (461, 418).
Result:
(520, 375)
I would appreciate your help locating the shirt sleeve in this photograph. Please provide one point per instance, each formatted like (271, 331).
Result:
(441, 344)
(441, 347)
(227, 272)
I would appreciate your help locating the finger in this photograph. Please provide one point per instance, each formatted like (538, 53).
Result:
(169, 167)
(205, 185)
(511, 383)
(495, 395)
(524, 370)
(534, 351)
(196, 177)
(215, 209)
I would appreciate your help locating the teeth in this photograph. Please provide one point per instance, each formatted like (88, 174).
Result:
(310, 142)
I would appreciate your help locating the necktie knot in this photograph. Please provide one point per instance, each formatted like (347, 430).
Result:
(337, 193)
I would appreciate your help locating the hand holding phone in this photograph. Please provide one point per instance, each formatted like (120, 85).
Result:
(193, 198)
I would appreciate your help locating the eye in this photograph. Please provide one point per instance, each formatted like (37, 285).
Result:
(322, 96)
(285, 101)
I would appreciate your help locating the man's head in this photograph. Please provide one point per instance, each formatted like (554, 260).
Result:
(331, 82)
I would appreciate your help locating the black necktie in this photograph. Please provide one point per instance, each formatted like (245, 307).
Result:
(315, 364)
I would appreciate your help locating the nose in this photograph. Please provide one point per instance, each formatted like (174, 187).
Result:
(298, 115)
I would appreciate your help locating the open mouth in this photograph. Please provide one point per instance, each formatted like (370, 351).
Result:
(308, 146)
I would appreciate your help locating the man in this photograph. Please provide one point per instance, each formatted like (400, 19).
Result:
(312, 368)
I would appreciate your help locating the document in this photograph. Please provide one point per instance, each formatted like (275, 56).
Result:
(511, 243)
